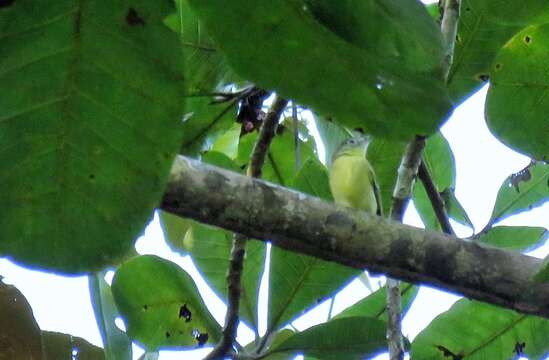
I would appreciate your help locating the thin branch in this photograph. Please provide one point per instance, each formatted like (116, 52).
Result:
(238, 251)
(297, 143)
(308, 225)
(448, 27)
(402, 194)
(266, 134)
(436, 200)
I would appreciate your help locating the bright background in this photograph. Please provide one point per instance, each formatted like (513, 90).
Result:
(62, 303)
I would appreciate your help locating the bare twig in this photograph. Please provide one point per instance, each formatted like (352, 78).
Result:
(297, 143)
(238, 251)
(402, 194)
(436, 200)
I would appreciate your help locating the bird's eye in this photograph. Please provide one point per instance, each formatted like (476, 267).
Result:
(352, 141)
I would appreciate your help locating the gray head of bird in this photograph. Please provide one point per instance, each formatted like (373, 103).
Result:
(356, 145)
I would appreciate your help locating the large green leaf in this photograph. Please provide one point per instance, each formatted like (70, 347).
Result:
(332, 134)
(484, 27)
(518, 93)
(440, 162)
(519, 238)
(522, 191)
(161, 305)
(90, 121)
(378, 61)
(474, 330)
(356, 337)
(210, 249)
(117, 344)
(205, 72)
(385, 156)
(280, 162)
(375, 304)
(298, 282)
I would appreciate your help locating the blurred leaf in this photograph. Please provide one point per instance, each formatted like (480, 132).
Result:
(484, 27)
(542, 276)
(519, 238)
(346, 338)
(227, 143)
(90, 121)
(220, 159)
(161, 305)
(116, 342)
(210, 249)
(454, 209)
(476, 330)
(205, 66)
(174, 229)
(440, 162)
(385, 156)
(19, 333)
(375, 304)
(206, 71)
(433, 10)
(378, 61)
(332, 135)
(522, 191)
(517, 94)
(59, 346)
(280, 164)
(205, 122)
(299, 282)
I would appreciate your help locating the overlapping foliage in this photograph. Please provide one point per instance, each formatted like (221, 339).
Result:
(98, 98)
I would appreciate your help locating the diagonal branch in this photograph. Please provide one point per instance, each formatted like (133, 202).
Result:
(436, 200)
(238, 250)
(308, 225)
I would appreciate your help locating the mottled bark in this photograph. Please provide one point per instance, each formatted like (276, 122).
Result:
(301, 223)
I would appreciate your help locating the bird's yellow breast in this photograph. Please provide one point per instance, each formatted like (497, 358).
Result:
(351, 182)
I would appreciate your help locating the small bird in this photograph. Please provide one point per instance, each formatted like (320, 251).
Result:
(352, 178)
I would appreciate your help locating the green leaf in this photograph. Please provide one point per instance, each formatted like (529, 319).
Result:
(299, 282)
(375, 304)
(476, 330)
(379, 60)
(205, 122)
(332, 135)
(116, 342)
(542, 276)
(227, 143)
(174, 229)
(90, 121)
(484, 27)
(61, 346)
(161, 305)
(221, 160)
(522, 191)
(350, 338)
(385, 156)
(280, 162)
(517, 93)
(454, 208)
(19, 332)
(519, 238)
(440, 162)
(206, 71)
(210, 250)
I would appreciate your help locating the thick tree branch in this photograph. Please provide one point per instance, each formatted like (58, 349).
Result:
(301, 223)
(238, 251)
(436, 200)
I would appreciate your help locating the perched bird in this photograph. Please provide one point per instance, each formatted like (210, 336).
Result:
(352, 178)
